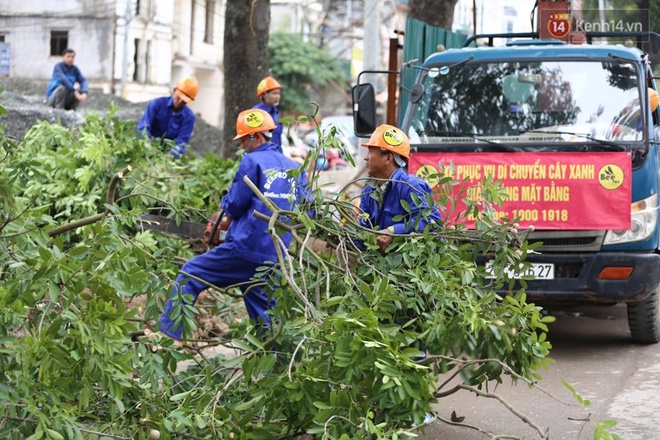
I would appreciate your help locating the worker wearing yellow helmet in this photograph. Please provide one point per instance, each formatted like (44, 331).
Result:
(170, 118)
(392, 193)
(248, 244)
(269, 91)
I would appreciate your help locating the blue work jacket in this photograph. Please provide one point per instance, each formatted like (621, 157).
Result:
(159, 120)
(66, 76)
(401, 186)
(266, 167)
(275, 113)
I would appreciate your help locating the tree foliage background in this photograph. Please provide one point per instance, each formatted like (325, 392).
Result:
(346, 359)
(438, 13)
(252, 54)
(621, 13)
(364, 342)
(304, 70)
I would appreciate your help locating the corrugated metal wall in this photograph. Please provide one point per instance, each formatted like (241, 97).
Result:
(420, 41)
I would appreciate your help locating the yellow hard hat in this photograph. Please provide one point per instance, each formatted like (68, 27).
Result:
(266, 85)
(253, 121)
(186, 89)
(391, 139)
(654, 99)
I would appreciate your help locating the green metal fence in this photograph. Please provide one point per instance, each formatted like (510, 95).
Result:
(420, 41)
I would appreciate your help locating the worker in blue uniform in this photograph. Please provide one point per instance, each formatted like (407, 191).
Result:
(169, 117)
(390, 185)
(62, 92)
(383, 198)
(248, 244)
(269, 91)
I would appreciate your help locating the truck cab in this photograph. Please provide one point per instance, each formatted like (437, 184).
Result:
(571, 132)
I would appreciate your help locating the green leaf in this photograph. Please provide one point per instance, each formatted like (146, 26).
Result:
(180, 396)
(54, 434)
(335, 300)
(321, 405)
(244, 406)
(180, 417)
(200, 422)
(38, 434)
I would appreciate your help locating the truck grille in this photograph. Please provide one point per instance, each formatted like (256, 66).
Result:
(568, 241)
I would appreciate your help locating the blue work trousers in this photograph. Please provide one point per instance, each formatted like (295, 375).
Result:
(221, 268)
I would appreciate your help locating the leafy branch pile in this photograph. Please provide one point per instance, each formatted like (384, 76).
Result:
(364, 341)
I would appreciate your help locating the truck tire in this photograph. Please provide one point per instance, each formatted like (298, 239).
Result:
(644, 319)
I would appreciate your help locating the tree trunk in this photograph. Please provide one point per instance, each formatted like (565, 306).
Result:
(650, 23)
(438, 13)
(245, 61)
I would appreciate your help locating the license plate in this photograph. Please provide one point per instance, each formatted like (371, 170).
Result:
(537, 271)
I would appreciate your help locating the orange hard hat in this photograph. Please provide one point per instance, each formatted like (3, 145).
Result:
(266, 85)
(253, 121)
(391, 139)
(186, 89)
(654, 99)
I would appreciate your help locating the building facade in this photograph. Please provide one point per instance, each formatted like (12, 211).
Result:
(493, 16)
(133, 48)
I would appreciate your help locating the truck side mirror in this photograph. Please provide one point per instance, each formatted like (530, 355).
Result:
(364, 110)
(416, 93)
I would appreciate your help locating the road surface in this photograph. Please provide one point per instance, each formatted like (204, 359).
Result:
(593, 353)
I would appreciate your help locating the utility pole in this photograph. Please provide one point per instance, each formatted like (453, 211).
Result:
(128, 17)
(371, 53)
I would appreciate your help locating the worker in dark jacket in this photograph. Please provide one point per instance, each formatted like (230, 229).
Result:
(248, 244)
(170, 118)
(270, 93)
(390, 185)
(62, 92)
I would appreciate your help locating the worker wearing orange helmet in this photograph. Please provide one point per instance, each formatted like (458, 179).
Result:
(392, 193)
(248, 244)
(170, 118)
(654, 99)
(270, 93)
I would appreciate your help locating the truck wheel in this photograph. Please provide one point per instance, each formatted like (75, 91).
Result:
(644, 319)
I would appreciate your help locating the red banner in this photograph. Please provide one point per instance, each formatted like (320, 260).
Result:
(547, 190)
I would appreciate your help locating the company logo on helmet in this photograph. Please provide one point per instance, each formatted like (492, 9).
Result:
(392, 137)
(254, 119)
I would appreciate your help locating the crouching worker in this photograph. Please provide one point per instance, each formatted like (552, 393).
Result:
(62, 92)
(169, 117)
(247, 245)
(390, 185)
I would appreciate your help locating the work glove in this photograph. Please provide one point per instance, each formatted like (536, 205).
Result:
(177, 151)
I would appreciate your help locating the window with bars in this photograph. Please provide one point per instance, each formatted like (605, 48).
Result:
(144, 8)
(59, 41)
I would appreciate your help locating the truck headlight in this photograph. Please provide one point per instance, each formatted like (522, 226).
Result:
(644, 217)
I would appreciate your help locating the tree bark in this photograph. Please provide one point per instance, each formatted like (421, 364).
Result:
(245, 61)
(650, 23)
(438, 13)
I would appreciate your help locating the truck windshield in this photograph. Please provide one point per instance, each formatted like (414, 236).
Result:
(546, 101)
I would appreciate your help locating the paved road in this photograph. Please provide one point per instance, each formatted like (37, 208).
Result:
(593, 353)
